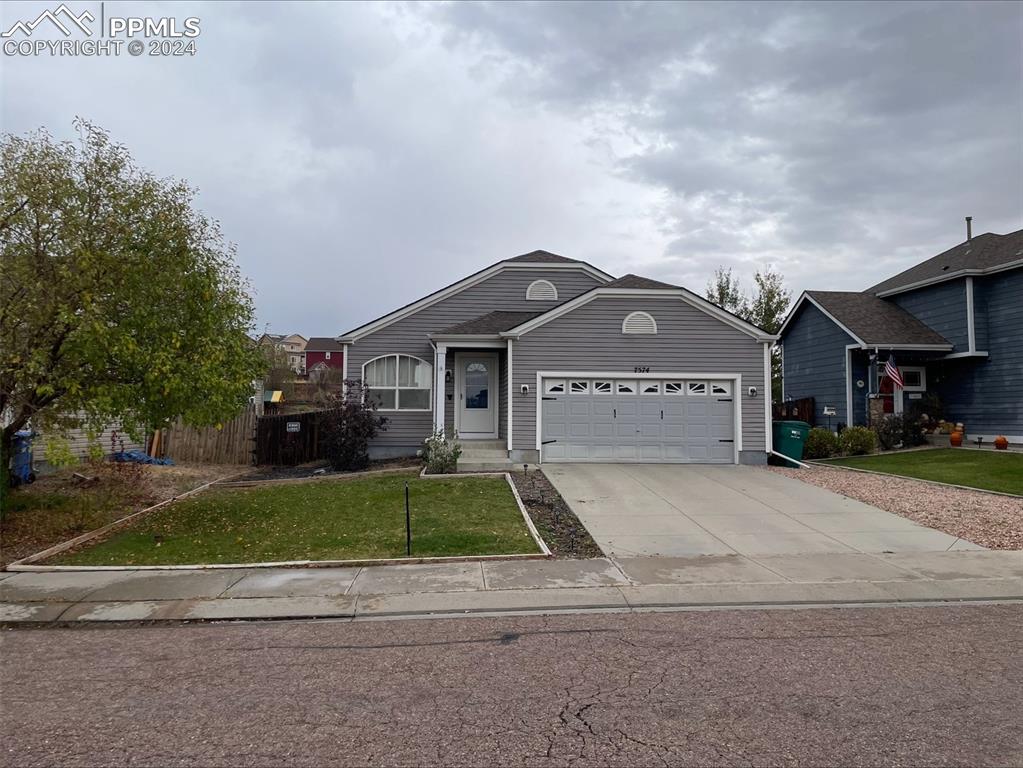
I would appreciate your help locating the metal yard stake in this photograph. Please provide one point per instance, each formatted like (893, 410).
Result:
(408, 525)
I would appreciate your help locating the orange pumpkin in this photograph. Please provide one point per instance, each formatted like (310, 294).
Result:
(956, 439)
(1001, 442)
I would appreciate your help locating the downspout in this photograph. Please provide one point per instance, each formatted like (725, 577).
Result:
(789, 458)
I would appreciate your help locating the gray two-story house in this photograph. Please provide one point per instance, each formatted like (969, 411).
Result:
(545, 358)
(953, 325)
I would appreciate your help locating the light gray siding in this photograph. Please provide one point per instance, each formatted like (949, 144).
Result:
(590, 338)
(815, 363)
(505, 290)
(941, 307)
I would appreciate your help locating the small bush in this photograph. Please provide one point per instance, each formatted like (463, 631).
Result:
(441, 455)
(820, 444)
(856, 441)
(893, 431)
(349, 424)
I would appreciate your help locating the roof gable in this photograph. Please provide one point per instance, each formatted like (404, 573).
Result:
(870, 321)
(633, 285)
(529, 261)
(985, 253)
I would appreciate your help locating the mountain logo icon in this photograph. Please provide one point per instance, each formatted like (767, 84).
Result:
(61, 18)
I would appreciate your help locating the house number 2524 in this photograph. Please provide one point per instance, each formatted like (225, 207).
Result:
(641, 369)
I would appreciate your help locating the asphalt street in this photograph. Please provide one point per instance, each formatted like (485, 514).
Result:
(838, 686)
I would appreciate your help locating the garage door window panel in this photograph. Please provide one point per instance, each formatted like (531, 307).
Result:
(625, 387)
(579, 387)
(696, 388)
(721, 388)
(554, 387)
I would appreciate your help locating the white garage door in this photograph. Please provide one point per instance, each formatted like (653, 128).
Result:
(630, 420)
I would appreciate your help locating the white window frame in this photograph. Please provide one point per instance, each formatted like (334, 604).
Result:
(676, 393)
(541, 285)
(725, 386)
(630, 316)
(628, 383)
(610, 387)
(656, 388)
(397, 389)
(691, 384)
(549, 384)
(922, 386)
(573, 383)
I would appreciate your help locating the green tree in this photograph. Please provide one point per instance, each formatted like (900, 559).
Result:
(725, 291)
(766, 308)
(118, 299)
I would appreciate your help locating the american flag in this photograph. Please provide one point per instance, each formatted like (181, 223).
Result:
(892, 372)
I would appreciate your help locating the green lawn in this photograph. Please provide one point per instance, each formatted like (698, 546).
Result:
(977, 469)
(343, 520)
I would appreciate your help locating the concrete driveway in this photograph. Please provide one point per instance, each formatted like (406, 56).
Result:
(643, 510)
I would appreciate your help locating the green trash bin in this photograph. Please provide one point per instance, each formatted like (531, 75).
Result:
(790, 438)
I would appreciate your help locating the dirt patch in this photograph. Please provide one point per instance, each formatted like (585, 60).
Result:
(558, 526)
(993, 521)
(322, 468)
(60, 506)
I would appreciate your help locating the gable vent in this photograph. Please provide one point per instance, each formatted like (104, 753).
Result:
(639, 322)
(541, 290)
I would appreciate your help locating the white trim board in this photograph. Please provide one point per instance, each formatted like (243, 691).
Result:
(950, 276)
(649, 293)
(768, 398)
(478, 277)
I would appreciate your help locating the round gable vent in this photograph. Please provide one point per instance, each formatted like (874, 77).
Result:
(639, 322)
(541, 290)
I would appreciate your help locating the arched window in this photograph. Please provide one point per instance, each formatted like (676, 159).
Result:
(399, 383)
(639, 322)
(541, 290)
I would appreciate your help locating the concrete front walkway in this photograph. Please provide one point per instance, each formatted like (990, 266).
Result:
(624, 584)
(688, 510)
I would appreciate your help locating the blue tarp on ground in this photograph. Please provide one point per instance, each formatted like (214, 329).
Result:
(139, 457)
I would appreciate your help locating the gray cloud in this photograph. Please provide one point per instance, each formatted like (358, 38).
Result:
(363, 154)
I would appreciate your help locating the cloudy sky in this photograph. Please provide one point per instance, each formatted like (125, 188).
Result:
(363, 155)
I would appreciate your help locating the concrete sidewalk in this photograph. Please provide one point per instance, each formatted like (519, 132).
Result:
(510, 586)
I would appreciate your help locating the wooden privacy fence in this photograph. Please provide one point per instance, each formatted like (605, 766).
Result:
(289, 439)
(796, 410)
(231, 444)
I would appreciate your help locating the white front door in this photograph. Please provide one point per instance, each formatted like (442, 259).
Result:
(477, 395)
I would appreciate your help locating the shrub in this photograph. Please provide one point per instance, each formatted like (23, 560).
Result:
(349, 423)
(856, 441)
(820, 444)
(893, 431)
(441, 455)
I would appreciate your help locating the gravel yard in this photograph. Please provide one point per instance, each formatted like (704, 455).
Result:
(987, 519)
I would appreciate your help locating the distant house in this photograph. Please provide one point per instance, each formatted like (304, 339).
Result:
(952, 324)
(322, 353)
(293, 345)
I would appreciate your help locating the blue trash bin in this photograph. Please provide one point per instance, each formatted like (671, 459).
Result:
(21, 459)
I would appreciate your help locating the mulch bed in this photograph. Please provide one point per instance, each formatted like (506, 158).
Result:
(321, 468)
(558, 526)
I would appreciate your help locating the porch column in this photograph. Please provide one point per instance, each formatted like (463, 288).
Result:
(439, 373)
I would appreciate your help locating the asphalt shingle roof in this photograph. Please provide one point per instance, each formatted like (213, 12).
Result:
(492, 322)
(323, 344)
(985, 251)
(875, 320)
(635, 281)
(544, 257)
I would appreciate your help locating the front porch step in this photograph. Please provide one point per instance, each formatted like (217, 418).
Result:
(491, 444)
(496, 454)
(506, 465)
